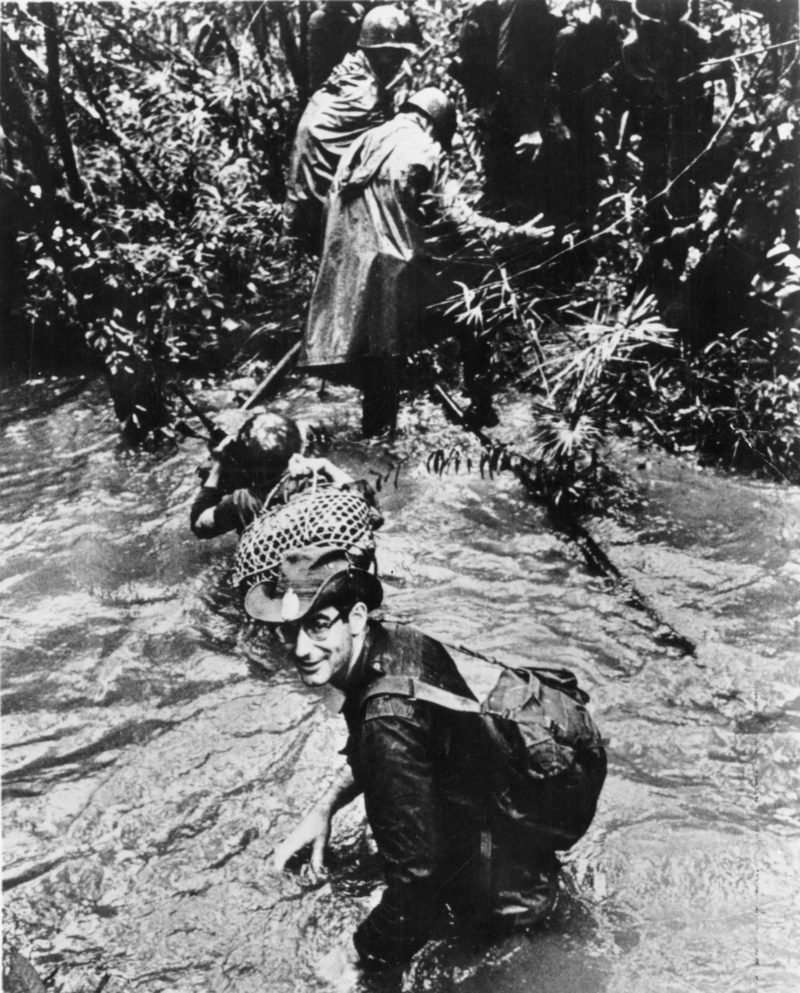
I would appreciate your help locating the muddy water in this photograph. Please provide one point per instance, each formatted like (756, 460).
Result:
(155, 748)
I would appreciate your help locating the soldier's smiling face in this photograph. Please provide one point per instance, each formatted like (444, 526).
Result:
(322, 645)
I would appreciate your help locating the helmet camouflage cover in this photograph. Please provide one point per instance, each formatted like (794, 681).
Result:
(322, 516)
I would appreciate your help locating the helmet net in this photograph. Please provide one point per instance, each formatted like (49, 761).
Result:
(321, 516)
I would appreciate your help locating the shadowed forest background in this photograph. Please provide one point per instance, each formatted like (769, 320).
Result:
(143, 156)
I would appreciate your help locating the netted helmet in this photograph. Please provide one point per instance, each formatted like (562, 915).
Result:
(389, 27)
(264, 445)
(318, 517)
(670, 11)
(436, 105)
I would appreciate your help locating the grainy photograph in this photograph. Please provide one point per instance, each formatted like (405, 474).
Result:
(400, 437)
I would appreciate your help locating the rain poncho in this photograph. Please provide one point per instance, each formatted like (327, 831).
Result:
(349, 103)
(374, 280)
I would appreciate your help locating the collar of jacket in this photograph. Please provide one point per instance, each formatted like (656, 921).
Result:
(364, 669)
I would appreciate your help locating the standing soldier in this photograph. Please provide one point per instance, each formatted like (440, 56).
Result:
(377, 278)
(586, 54)
(672, 111)
(357, 96)
(505, 61)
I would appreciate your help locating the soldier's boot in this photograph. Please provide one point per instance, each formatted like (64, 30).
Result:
(478, 380)
(380, 396)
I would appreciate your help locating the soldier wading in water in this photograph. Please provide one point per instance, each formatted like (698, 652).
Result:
(436, 773)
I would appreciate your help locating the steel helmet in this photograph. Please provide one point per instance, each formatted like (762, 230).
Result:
(670, 11)
(267, 441)
(389, 27)
(436, 105)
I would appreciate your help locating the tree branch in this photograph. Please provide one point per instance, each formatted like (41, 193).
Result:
(15, 101)
(129, 160)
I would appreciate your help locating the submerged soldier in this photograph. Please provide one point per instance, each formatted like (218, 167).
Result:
(378, 278)
(247, 468)
(357, 96)
(423, 767)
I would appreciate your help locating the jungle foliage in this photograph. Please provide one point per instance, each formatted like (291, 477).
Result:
(141, 184)
(142, 178)
(691, 339)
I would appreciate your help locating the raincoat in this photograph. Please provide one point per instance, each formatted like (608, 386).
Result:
(375, 279)
(349, 103)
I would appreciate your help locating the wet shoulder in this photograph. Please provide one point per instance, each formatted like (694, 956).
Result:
(351, 81)
(416, 160)
(403, 650)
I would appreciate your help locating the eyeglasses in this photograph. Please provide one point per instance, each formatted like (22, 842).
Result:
(316, 628)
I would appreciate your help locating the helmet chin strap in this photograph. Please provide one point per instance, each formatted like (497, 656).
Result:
(358, 639)
(355, 651)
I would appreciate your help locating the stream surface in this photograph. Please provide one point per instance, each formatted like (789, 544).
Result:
(148, 731)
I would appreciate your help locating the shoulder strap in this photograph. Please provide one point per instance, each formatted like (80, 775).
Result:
(417, 689)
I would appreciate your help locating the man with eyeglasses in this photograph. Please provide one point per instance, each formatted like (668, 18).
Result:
(418, 765)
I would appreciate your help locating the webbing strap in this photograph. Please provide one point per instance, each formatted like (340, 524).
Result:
(417, 689)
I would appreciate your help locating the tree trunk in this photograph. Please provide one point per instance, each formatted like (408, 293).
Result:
(47, 14)
(292, 51)
(15, 105)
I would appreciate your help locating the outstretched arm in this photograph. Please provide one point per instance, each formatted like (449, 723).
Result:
(315, 827)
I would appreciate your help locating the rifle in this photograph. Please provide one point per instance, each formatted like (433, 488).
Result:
(218, 440)
(279, 370)
(215, 434)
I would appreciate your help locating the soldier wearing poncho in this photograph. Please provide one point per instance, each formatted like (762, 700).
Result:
(378, 277)
(357, 96)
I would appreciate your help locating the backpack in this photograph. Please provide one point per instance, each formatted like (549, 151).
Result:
(544, 760)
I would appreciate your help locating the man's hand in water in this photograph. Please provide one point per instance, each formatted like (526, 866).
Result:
(313, 830)
(340, 967)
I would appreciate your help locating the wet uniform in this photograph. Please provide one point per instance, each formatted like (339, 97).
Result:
(419, 767)
(584, 53)
(526, 44)
(349, 103)
(232, 511)
(673, 113)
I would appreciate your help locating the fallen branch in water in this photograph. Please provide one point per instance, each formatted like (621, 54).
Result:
(502, 457)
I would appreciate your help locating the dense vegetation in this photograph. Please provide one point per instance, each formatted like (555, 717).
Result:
(142, 166)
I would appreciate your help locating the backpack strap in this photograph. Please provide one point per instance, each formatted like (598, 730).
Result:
(418, 689)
